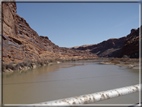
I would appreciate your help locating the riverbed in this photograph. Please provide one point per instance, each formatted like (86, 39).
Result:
(68, 79)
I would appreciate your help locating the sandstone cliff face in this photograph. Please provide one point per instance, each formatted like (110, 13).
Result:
(22, 43)
(128, 45)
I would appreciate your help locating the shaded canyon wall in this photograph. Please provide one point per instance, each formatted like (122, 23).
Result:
(116, 47)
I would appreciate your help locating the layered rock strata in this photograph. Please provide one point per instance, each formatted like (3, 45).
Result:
(23, 47)
(22, 44)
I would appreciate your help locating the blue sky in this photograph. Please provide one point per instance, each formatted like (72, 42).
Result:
(75, 24)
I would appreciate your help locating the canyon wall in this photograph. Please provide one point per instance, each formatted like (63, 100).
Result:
(22, 43)
(131, 45)
(108, 48)
(128, 45)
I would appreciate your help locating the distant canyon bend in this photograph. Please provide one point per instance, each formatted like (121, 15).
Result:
(24, 49)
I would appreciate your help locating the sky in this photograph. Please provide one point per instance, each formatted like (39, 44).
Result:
(76, 24)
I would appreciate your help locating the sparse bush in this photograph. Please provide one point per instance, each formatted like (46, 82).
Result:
(17, 66)
(51, 60)
(115, 62)
(3, 67)
(39, 62)
(28, 63)
(10, 66)
(21, 64)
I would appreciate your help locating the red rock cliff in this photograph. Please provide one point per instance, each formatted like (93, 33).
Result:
(22, 43)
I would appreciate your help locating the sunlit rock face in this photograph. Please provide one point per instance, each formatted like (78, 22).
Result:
(22, 43)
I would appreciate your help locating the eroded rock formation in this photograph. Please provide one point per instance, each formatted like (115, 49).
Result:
(108, 48)
(128, 45)
(21, 43)
(131, 45)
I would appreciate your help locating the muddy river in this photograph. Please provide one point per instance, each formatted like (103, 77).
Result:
(68, 79)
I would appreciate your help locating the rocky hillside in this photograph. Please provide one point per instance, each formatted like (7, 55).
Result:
(131, 45)
(128, 45)
(108, 48)
(21, 43)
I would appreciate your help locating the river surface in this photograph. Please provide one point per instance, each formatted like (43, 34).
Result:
(68, 79)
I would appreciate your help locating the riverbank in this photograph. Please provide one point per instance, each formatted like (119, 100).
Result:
(67, 79)
(131, 63)
(28, 64)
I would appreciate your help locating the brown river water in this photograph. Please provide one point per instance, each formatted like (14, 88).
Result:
(68, 79)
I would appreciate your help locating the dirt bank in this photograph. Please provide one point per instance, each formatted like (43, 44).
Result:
(132, 63)
(28, 64)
